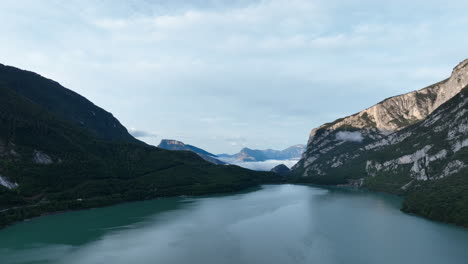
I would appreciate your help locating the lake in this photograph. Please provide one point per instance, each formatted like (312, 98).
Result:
(274, 224)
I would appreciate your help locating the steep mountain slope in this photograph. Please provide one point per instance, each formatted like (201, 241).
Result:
(428, 150)
(247, 154)
(64, 103)
(331, 145)
(171, 144)
(49, 163)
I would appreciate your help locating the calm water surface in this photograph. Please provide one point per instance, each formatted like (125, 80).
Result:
(277, 224)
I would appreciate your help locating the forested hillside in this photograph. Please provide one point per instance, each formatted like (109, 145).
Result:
(49, 163)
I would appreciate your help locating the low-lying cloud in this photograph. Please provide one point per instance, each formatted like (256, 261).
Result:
(266, 165)
(349, 136)
(141, 133)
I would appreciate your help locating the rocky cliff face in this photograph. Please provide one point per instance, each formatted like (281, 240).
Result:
(331, 145)
(427, 162)
(430, 150)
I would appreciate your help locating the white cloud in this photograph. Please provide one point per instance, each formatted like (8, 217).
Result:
(141, 133)
(266, 165)
(355, 136)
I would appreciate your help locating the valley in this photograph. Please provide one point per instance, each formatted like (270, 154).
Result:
(233, 132)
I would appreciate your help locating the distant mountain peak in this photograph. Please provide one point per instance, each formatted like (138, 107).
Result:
(248, 154)
(171, 144)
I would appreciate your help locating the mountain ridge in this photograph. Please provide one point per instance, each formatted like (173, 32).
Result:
(252, 155)
(65, 103)
(171, 144)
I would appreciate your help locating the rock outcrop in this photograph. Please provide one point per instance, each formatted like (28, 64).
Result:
(7, 183)
(40, 157)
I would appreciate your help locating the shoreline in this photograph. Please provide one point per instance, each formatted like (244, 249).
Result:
(90, 204)
(106, 203)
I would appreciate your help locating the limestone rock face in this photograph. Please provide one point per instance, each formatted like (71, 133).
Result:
(6, 183)
(430, 150)
(331, 144)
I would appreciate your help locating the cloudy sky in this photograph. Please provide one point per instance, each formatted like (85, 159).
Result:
(226, 74)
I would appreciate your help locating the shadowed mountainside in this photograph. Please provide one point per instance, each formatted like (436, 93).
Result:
(51, 161)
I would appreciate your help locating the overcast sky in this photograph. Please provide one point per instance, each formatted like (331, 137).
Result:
(222, 75)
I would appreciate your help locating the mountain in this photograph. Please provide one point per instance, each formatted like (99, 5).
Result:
(330, 145)
(53, 161)
(281, 169)
(65, 103)
(171, 144)
(247, 154)
(422, 155)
